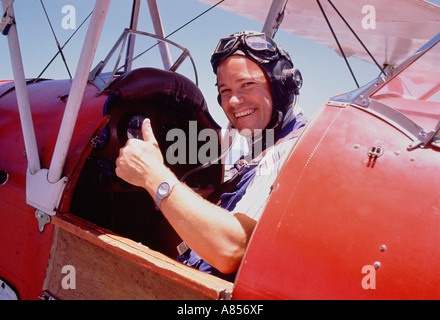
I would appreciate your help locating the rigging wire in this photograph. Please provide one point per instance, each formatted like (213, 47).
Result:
(358, 39)
(60, 49)
(56, 39)
(65, 43)
(195, 18)
(337, 42)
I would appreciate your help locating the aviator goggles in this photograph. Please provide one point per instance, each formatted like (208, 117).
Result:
(257, 45)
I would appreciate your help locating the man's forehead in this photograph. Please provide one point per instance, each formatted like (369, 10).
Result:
(238, 69)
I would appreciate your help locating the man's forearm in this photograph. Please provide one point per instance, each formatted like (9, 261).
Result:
(219, 237)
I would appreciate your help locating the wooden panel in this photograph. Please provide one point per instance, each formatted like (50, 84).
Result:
(111, 267)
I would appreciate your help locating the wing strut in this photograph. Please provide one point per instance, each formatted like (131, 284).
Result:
(158, 29)
(274, 17)
(24, 109)
(77, 90)
(131, 38)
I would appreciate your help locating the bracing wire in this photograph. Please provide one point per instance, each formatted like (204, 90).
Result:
(60, 49)
(56, 39)
(195, 18)
(337, 42)
(357, 37)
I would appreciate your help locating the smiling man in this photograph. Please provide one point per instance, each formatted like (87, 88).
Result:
(257, 87)
(245, 94)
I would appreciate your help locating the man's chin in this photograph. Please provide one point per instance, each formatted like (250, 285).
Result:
(248, 133)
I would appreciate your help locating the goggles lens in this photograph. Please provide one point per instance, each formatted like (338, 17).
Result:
(257, 44)
(260, 42)
(225, 44)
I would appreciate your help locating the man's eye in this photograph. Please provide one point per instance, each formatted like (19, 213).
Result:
(247, 84)
(224, 91)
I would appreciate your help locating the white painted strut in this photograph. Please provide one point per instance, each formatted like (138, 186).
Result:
(158, 29)
(272, 19)
(24, 109)
(77, 91)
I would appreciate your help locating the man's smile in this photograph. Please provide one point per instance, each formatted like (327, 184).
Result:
(244, 113)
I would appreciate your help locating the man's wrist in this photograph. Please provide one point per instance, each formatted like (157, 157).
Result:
(156, 177)
(164, 191)
(154, 180)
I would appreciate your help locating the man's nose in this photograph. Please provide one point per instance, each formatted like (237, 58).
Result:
(235, 100)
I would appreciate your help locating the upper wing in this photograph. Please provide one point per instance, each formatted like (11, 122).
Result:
(391, 29)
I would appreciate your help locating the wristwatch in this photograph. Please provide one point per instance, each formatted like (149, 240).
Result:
(163, 191)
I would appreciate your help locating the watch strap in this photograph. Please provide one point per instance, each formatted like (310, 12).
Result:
(160, 196)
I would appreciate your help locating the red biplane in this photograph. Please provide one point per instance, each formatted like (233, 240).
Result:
(354, 213)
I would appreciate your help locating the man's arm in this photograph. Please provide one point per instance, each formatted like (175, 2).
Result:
(219, 237)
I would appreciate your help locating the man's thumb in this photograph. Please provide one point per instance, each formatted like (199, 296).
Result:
(147, 131)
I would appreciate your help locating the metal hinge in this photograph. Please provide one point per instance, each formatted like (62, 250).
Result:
(42, 218)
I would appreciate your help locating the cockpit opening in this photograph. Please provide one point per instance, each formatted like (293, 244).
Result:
(174, 104)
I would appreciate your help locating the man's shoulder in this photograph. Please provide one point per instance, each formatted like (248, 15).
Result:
(292, 128)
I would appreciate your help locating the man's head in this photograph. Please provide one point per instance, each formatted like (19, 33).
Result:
(275, 64)
(245, 94)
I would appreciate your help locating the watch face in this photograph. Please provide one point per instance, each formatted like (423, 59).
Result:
(164, 188)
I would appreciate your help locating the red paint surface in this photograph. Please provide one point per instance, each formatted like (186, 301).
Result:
(333, 210)
(24, 250)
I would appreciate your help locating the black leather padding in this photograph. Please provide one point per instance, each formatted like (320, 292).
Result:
(181, 95)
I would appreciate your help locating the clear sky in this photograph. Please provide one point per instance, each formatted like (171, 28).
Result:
(325, 73)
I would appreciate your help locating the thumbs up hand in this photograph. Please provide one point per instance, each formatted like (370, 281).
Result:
(140, 162)
(147, 132)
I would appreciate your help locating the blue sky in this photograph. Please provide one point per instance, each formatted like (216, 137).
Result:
(325, 73)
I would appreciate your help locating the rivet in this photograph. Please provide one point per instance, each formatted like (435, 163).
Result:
(383, 248)
(397, 152)
(412, 159)
(377, 265)
(357, 146)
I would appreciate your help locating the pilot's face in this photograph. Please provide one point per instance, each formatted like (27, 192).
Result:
(245, 92)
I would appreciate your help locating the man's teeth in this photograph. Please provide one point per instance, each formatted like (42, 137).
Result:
(244, 113)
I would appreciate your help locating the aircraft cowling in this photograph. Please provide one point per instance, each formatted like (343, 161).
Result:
(341, 224)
